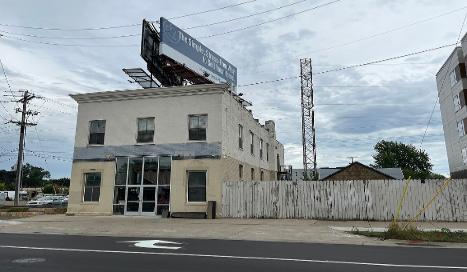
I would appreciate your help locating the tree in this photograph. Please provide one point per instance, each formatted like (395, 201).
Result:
(34, 176)
(414, 162)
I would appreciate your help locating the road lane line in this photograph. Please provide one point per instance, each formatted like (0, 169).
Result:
(237, 257)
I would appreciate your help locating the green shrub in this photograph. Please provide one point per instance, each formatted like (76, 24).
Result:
(18, 209)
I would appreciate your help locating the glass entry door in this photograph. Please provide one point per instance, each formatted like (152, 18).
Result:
(142, 185)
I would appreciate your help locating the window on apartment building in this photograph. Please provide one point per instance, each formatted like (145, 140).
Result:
(460, 128)
(146, 128)
(267, 151)
(240, 136)
(197, 125)
(196, 186)
(240, 172)
(464, 155)
(261, 175)
(96, 132)
(252, 174)
(261, 148)
(457, 102)
(453, 78)
(252, 143)
(92, 187)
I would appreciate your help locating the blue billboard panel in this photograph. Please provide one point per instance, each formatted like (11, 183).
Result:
(184, 49)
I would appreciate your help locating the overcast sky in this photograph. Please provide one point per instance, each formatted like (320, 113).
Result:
(355, 107)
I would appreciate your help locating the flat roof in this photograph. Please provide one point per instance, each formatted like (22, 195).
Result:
(150, 92)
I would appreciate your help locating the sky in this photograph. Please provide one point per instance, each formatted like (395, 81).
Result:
(45, 49)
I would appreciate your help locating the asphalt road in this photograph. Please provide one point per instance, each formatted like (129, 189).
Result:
(40, 253)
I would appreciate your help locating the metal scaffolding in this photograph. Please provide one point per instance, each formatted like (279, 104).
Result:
(308, 120)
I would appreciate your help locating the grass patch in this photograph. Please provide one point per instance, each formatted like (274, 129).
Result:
(395, 231)
(17, 209)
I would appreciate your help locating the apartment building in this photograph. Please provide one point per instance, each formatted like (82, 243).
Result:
(166, 150)
(452, 92)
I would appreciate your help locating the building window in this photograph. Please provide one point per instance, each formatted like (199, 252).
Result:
(145, 130)
(240, 172)
(261, 175)
(196, 186)
(457, 102)
(252, 174)
(267, 151)
(240, 136)
(92, 187)
(197, 125)
(261, 148)
(464, 155)
(252, 145)
(460, 128)
(455, 76)
(96, 132)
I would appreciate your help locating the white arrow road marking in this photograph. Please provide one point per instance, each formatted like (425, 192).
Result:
(156, 244)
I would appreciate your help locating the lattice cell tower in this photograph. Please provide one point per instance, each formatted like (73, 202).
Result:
(308, 120)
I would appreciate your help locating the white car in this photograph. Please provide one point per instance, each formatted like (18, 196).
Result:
(46, 201)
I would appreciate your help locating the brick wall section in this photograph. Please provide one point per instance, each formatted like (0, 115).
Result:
(357, 172)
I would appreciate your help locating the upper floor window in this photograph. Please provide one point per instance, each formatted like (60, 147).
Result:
(457, 74)
(267, 151)
(261, 148)
(197, 125)
(457, 102)
(96, 132)
(145, 130)
(252, 143)
(460, 128)
(464, 155)
(240, 136)
(240, 171)
(453, 78)
(92, 187)
(261, 175)
(252, 174)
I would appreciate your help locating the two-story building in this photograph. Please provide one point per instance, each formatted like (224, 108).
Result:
(153, 151)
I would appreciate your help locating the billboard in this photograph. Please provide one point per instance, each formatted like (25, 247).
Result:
(186, 50)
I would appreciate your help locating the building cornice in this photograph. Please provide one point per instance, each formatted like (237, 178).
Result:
(150, 93)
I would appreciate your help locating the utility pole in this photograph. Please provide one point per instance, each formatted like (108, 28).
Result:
(308, 119)
(27, 96)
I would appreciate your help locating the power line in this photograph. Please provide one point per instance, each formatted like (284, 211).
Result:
(69, 29)
(270, 21)
(246, 16)
(69, 37)
(373, 35)
(71, 45)
(118, 26)
(351, 66)
(211, 10)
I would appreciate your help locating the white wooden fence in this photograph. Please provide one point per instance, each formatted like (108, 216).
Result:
(344, 200)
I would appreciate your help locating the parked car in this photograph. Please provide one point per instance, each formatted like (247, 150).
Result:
(3, 196)
(46, 201)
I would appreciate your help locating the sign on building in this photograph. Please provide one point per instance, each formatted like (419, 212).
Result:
(184, 49)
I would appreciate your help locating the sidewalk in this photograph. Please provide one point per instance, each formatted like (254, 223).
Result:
(308, 231)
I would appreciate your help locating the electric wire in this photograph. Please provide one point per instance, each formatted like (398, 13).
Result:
(372, 36)
(211, 10)
(270, 21)
(246, 16)
(69, 37)
(351, 66)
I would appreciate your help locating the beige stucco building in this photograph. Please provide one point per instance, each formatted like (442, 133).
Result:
(153, 151)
